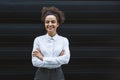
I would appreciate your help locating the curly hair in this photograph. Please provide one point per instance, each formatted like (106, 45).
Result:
(52, 11)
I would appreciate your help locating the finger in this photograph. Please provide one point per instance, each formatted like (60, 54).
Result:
(33, 55)
(38, 49)
(63, 50)
(34, 52)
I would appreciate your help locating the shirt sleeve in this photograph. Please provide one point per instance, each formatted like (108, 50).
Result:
(36, 62)
(61, 59)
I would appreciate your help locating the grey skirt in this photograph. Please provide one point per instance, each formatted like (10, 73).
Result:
(49, 74)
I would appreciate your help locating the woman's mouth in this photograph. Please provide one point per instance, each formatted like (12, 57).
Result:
(50, 27)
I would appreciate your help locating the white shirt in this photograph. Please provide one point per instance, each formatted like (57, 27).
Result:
(51, 48)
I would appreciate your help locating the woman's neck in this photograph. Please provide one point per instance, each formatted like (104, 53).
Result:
(52, 34)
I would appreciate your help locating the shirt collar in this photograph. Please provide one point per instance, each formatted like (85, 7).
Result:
(54, 37)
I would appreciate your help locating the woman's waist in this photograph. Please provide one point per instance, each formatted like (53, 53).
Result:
(49, 69)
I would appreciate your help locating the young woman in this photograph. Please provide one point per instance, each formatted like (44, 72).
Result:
(50, 51)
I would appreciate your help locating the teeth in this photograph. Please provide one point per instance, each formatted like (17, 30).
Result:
(50, 27)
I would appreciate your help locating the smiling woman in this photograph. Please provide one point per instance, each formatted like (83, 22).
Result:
(51, 24)
(50, 51)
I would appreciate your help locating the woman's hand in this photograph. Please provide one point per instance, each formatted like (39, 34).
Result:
(38, 54)
(62, 53)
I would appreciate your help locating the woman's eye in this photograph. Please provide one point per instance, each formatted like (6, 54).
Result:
(52, 21)
(47, 22)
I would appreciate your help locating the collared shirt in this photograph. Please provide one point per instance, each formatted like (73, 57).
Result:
(51, 47)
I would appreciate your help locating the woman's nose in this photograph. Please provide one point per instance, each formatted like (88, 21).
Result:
(50, 23)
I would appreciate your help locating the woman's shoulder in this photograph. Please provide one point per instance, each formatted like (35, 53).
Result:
(40, 37)
(63, 38)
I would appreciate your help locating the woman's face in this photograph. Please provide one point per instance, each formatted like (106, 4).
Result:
(51, 24)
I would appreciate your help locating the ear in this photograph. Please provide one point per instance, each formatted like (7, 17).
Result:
(58, 24)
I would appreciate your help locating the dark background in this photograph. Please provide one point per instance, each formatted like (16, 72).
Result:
(92, 27)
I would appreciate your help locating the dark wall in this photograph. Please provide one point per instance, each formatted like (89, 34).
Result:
(92, 27)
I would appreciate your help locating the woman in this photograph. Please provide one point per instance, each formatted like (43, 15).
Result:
(50, 51)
